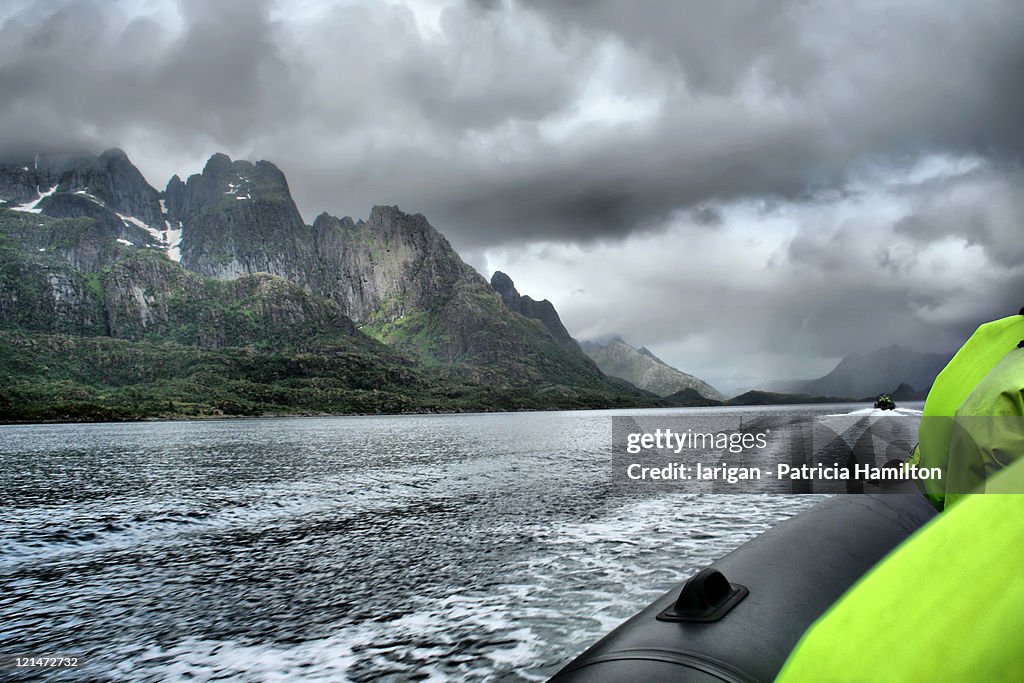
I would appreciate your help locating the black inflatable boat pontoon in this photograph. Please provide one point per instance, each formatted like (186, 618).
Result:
(737, 620)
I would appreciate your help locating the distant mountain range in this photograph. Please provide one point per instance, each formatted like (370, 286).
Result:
(880, 371)
(215, 297)
(643, 369)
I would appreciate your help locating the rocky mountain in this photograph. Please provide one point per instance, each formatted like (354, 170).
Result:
(238, 218)
(400, 280)
(643, 369)
(387, 268)
(219, 276)
(858, 375)
(109, 179)
(393, 274)
(543, 311)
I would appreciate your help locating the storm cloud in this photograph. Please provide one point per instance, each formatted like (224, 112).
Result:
(827, 177)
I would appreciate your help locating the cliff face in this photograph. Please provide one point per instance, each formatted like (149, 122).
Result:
(393, 274)
(643, 369)
(71, 276)
(389, 266)
(40, 292)
(402, 282)
(238, 218)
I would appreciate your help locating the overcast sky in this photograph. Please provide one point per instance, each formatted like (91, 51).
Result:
(750, 189)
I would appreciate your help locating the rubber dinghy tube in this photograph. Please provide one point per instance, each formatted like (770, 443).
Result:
(738, 620)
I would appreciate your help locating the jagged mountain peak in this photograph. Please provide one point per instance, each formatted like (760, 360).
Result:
(650, 354)
(381, 218)
(110, 177)
(238, 218)
(216, 165)
(542, 311)
(384, 212)
(398, 277)
(325, 222)
(393, 219)
(114, 154)
(504, 285)
(386, 266)
(221, 173)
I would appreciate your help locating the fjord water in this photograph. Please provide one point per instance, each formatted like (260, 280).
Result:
(450, 547)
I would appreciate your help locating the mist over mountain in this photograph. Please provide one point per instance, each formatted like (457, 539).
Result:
(643, 369)
(215, 296)
(880, 371)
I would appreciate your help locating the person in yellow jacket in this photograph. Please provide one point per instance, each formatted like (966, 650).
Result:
(988, 429)
(970, 388)
(946, 605)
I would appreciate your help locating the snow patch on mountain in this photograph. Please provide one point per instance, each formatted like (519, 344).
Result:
(237, 189)
(90, 197)
(172, 240)
(32, 206)
(156, 234)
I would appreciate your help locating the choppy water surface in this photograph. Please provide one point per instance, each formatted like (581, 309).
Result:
(470, 547)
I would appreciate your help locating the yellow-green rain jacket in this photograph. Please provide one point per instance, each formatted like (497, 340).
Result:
(946, 605)
(975, 360)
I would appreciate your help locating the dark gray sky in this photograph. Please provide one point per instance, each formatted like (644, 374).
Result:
(751, 189)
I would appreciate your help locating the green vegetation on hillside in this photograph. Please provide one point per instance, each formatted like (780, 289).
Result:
(97, 330)
(75, 378)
